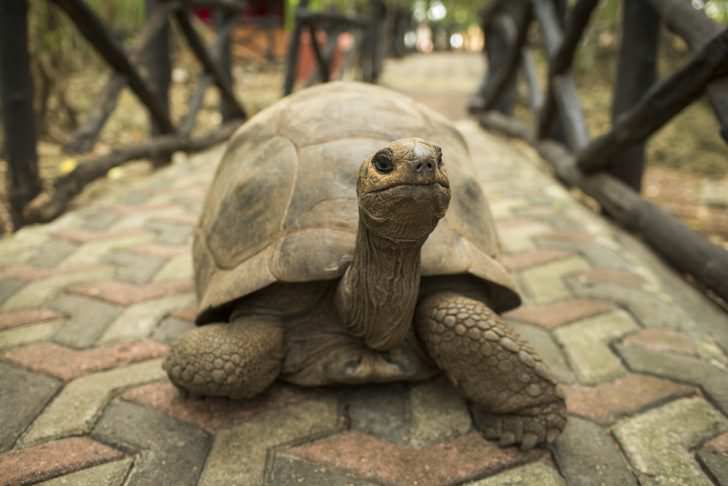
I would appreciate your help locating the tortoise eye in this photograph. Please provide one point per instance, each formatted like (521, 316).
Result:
(439, 157)
(382, 161)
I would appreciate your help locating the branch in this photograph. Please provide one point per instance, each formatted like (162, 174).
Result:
(663, 101)
(89, 25)
(48, 206)
(212, 68)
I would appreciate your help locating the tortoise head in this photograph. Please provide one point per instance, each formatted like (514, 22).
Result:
(403, 190)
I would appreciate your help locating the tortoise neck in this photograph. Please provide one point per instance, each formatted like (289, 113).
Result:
(377, 294)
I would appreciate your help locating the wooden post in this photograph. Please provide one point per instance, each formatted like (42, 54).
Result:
(562, 87)
(198, 48)
(322, 63)
(159, 69)
(506, 30)
(294, 45)
(16, 96)
(560, 63)
(84, 138)
(225, 59)
(636, 73)
(89, 25)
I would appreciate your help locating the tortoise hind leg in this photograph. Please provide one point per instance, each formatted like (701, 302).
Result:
(514, 397)
(236, 360)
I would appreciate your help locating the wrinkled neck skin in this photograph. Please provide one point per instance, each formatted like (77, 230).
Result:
(377, 294)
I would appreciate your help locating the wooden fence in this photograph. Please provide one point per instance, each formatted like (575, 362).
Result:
(145, 69)
(609, 167)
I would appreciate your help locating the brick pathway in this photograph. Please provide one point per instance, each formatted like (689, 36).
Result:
(89, 303)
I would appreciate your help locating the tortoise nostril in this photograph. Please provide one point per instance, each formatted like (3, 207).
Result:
(421, 166)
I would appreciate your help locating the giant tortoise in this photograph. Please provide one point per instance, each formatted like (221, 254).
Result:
(344, 239)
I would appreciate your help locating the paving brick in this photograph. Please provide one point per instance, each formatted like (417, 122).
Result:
(24, 394)
(520, 238)
(45, 461)
(170, 232)
(28, 334)
(586, 343)
(658, 442)
(74, 410)
(439, 413)
(211, 413)
(536, 473)
(85, 236)
(26, 316)
(97, 217)
(126, 294)
(24, 272)
(545, 283)
(555, 314)
(718, 444)
(610, 275)
(36, 294)
(178, 267)
(68, 364)
(579, 237)
(686, 369)
(9, 287)
(379, 409)
(286, 470)
(109, 474)
(186, 314)
(587, 455)
(716, 463)
(598, 254)
(650, 309)
(714, 456)
(503, 208)
(549, 351)
(88, 319)
(95, 251)
(52, 252)
(238, 455)
(132, 209)
(623, 396)
(667, 340)
(170, 328)
(133, 267)
(531, 258)
(20, 247)
(158, 250)
(465, 457)
(138, 321)
(171, 452)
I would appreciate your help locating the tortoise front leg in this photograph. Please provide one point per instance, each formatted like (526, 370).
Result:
(237, 360)
(514, 397)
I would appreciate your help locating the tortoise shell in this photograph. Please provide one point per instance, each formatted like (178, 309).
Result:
(283, 206)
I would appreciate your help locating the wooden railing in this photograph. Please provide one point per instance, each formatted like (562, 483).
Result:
(609, 167)
(149, 54)
(378, 31)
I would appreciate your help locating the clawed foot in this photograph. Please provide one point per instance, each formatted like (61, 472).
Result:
(528, 428)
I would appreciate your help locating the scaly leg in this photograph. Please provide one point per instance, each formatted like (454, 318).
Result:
(236, 360)
(514, 396)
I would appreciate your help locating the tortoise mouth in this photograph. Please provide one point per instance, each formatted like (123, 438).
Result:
(442, 185)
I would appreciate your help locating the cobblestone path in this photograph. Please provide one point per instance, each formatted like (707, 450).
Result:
(90, 303)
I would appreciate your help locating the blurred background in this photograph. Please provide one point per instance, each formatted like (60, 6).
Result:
(687, 172)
